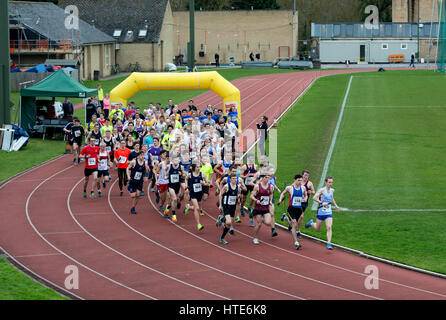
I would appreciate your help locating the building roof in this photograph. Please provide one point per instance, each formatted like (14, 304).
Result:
(48, 20)
(386, 30)
(130, 17)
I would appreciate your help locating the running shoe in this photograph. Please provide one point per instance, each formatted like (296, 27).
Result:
(231, 231)
(274, 233)
(133, 211)
(289, 228)
(157, 197)
(250, 212)
(174, 218)
(78, 160)
(255, 241)
(109, 179)
(297, 245)
(201, 213)
(92, 195)
(178, 205)
(166, 211)
(298, 235)
(99, 193)
(242, 211)
(200, 227)
(219, 221)
(85, 195)
(121, 193)
(186, 210)
(251, 222)
(329, 246)
(283, 216)
(308, 224)
(238, 220)
(161, 208)
(103, 184)
(74, 161)
(223, 240)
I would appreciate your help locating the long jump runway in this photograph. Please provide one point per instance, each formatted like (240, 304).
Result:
(48, 229)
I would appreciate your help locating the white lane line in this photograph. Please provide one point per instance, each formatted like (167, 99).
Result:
(188, 258)
(129, 258)
(63, 253)
(264, 263)
(333, 142)
(335, 266)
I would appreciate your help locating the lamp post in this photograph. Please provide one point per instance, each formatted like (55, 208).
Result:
(5, 115)
(191, 44)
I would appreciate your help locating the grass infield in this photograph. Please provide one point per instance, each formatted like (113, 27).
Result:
(388, 155)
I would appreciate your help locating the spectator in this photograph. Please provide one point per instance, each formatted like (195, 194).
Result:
(106, 104)
(251, 56)
(263, 135)
(68, 108)
(101, 96)
(217, 60)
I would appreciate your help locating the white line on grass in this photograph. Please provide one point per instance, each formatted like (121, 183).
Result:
(396, 107)
(393, 210)
(333, 141)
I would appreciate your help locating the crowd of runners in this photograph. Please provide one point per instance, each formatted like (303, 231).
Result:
(184, 155)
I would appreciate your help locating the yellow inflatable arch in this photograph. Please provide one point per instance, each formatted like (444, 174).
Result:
(212, 80)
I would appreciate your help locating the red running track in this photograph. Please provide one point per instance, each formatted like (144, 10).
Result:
(46, 225)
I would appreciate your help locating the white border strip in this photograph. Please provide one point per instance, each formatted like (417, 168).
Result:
(333, 142)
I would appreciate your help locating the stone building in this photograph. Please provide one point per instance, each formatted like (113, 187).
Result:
(38, 32)
(148, 32)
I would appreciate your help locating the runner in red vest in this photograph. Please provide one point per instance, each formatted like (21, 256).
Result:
(90, 153)
(262, 196)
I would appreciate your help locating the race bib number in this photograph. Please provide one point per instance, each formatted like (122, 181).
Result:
(174, 178)
(193, 155)
(264, 200)
(103, 164)
(197, 187)
(296, 201)
(122, 159)
(108, 149)
(97, 142)
(91, 161)
(77, 133)
(155, 158)
(232, 200)
(248, 180)
(327, 208)
(137, 176)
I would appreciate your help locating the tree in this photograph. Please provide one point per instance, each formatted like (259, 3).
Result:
(255, 4)
(209, 5)
(384, 9)
(56, 2)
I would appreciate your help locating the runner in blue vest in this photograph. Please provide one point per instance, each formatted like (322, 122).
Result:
(298, 195)
(324, 197)
(135, 171)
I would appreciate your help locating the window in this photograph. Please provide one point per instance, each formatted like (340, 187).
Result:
(117, 33)
(142, 33)
(384, 46)
(107, 55)
(404, 46)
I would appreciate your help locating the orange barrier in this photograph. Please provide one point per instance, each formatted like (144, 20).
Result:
(395, 58)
